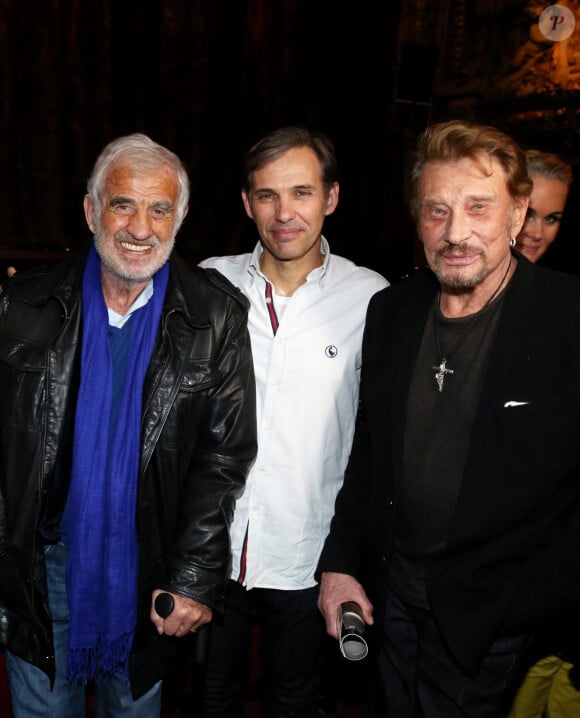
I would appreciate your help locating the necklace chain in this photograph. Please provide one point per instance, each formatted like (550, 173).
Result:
(441, 370)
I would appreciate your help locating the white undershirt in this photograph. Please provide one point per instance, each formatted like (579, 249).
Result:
(118, 320)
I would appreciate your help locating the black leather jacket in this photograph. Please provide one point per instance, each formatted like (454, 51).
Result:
(198, 441)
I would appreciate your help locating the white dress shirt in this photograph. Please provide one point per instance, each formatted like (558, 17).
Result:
(307, 375)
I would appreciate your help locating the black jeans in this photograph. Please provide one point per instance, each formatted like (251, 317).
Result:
(419, 678)
(291, 631)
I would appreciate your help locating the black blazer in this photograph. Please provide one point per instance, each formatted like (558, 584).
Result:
(513, 555)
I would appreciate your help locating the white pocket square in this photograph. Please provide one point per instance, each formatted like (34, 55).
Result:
(509, 404)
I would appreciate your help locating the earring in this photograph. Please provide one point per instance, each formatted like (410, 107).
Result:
(513, 242)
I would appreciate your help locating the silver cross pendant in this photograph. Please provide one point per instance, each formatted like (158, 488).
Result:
(442, 370)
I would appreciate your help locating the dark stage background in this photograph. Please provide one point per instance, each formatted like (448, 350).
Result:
(207, 78)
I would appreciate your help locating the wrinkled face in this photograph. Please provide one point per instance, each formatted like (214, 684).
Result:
(466, 220)
(288, 204)
(134, 226)
(543, 218)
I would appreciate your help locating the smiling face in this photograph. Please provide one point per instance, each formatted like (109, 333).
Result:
(544, 216)
(134, 226)
(288, 202)
(466, 219)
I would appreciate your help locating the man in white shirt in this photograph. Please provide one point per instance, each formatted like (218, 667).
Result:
(307, 312)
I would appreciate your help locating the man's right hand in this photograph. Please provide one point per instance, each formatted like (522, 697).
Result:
(335, 589)
(186, 616)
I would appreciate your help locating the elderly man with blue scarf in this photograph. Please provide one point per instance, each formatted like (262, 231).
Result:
(127, 427)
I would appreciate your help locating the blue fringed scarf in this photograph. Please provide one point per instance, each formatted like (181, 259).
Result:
(102, 565)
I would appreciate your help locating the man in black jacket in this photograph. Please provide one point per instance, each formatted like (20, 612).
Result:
(127, 426)
(460, 509)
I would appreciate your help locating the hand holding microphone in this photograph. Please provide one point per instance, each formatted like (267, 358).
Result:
(351, 640)
(164, 604)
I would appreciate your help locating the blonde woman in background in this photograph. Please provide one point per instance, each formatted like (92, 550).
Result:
(552, 178)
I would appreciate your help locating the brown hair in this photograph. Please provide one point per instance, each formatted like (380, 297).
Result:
(278, 142)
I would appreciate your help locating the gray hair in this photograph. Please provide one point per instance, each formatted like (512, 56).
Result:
(142, 153)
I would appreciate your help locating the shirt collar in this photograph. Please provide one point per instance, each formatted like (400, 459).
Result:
(318, 273)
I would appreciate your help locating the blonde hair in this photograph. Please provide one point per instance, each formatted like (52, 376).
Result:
(458, 139)
(549, 166)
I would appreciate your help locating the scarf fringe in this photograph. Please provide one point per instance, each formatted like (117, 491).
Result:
(107, 659)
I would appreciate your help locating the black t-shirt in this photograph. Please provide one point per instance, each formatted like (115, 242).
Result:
(437, 435)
